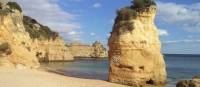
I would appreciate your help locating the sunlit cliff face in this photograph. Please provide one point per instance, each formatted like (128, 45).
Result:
(13, 33)
(135, 44)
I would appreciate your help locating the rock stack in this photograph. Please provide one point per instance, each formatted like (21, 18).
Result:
(98, 50)
(134, 48)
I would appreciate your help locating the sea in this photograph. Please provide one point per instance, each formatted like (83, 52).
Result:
(179, 67)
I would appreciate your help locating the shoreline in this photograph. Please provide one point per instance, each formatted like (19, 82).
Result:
(90, 57)
(43, 78)
(75, 58)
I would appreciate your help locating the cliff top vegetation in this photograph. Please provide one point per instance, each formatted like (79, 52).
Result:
(4, 11)
(128, 12)
(41, 32)
(14, 5)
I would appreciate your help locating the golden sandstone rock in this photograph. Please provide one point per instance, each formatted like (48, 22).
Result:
(18, 49)
(98, 50)
(88, 51)
(134, 51)
(52, 50)
(13, 33)
(47, 44)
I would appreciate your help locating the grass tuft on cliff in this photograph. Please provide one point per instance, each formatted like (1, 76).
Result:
(5, 11)
(14, 5)
(129, 12)
(142, 4)
(126, 13)
(42, 32)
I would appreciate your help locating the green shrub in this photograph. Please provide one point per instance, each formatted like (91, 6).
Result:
(14, 5)
(127, 25)
(130, 12)
(141, 4)
(43, 32)
(123, 27)
(5, 11)
(126, 13)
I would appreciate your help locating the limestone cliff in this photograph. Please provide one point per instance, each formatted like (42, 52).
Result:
(52, 50)
(134, 47)
(88, 51)
(47, 44)
(12, 33)
(98, 50)
(23, 41)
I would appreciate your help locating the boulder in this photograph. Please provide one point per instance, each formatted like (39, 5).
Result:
(189, 83)
(196, 77)
(194, 82)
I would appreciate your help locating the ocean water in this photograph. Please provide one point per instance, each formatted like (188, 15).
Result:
(178, 68)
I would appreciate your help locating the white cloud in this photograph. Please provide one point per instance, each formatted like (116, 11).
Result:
(92, 34)
(72, 33)
(181, 41)
(108, 35)
(163, 32)
(97, 5)
(49, 13)
(185, 16)
(73, 36)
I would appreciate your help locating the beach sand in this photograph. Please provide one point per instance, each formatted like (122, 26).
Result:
(38, 78)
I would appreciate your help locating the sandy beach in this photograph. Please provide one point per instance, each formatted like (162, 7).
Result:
(35, 78)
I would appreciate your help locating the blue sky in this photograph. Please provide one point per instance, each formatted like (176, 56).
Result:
(86, 21)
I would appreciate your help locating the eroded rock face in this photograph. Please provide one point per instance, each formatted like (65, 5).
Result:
(23, 41)
(134, 51)
(88, 51)
(52, 50)
(13, 33)
(98, 50)
(79, 50)
(47, 44)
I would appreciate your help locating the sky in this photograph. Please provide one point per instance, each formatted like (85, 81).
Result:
(86, 21)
